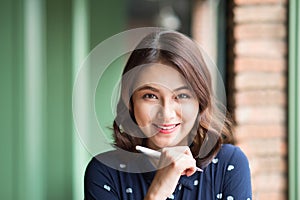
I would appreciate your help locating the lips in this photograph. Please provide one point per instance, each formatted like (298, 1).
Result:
(167, 128)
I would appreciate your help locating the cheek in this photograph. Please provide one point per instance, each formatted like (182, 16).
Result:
(141, 114)
(190, 112)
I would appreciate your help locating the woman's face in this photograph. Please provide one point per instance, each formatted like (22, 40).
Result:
(165, 108)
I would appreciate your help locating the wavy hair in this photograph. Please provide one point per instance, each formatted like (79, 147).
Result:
(212, 128)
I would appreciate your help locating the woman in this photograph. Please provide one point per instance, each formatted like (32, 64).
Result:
(167, 104)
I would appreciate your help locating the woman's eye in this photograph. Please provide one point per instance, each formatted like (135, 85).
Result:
(183, 96)
(149, 96)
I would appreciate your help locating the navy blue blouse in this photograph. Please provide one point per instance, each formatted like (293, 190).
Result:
(226, 177)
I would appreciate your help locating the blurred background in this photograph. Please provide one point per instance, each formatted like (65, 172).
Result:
(255, 44)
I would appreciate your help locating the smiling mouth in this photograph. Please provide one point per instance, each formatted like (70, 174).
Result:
(167, 128)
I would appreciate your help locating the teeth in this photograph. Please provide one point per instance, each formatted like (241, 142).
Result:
(166, 127)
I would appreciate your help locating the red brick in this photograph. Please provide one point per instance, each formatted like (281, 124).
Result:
(256, 81)
(260, 30)
(267, 147)
(261, 48)
(242, 64)
(260, 13)
(250, 2)
(274, 195)
(259, 115)
(270, 182)
(267, 164)
(263, 131)
(260, 97)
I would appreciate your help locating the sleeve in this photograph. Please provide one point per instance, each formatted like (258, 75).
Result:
(99, 182)
(237, 180)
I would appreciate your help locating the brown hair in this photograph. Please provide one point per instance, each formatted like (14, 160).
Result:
(212, 126)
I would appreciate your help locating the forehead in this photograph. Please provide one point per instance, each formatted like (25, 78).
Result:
(160, 74)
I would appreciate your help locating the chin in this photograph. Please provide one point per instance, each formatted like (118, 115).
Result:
(160, 144)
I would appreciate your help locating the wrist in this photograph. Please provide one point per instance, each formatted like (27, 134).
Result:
(154, 196)
(155, 193)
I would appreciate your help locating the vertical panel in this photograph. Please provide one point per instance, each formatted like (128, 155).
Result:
(35, 102)
(294, 109)
(106, 19)
(6, 99)
(100, 30)
(80, 38)
(59, 76)
(20, 183)
(35, 89)
(93, 21)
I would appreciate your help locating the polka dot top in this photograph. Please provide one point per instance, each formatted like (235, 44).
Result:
(226, 177)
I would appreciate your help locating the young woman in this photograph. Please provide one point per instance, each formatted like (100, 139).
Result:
(167, 104)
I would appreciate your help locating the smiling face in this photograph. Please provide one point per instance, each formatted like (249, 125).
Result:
(165, 108)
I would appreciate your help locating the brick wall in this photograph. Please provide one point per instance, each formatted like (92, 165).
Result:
(256, 84)
(259, 92)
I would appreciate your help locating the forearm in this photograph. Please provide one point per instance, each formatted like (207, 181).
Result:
(155, 192)
(163, 184)
(152, 195)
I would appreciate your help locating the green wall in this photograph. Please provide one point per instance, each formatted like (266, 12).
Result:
(293, 106)
(43, 43)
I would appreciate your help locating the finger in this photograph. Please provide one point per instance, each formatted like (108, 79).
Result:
(187, 151)
(180, 158)
(187, 165)
(191, 167)
(190, 171)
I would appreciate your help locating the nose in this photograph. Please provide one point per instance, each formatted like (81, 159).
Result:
(167, 111)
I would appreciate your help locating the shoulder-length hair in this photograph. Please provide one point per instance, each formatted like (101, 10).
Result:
(212, 127)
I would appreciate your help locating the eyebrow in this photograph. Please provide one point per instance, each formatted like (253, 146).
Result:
(148, 87)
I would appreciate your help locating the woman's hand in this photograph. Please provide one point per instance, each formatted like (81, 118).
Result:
(174, 162)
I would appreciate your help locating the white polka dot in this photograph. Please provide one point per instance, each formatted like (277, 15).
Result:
(122, 166)
(179, 187)
(128, 190)
(215, 160)
(106, 187)
(171, 196)
(248, 199)
(230, 198)
(196, 182)
(230, 167)
(219, 196)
